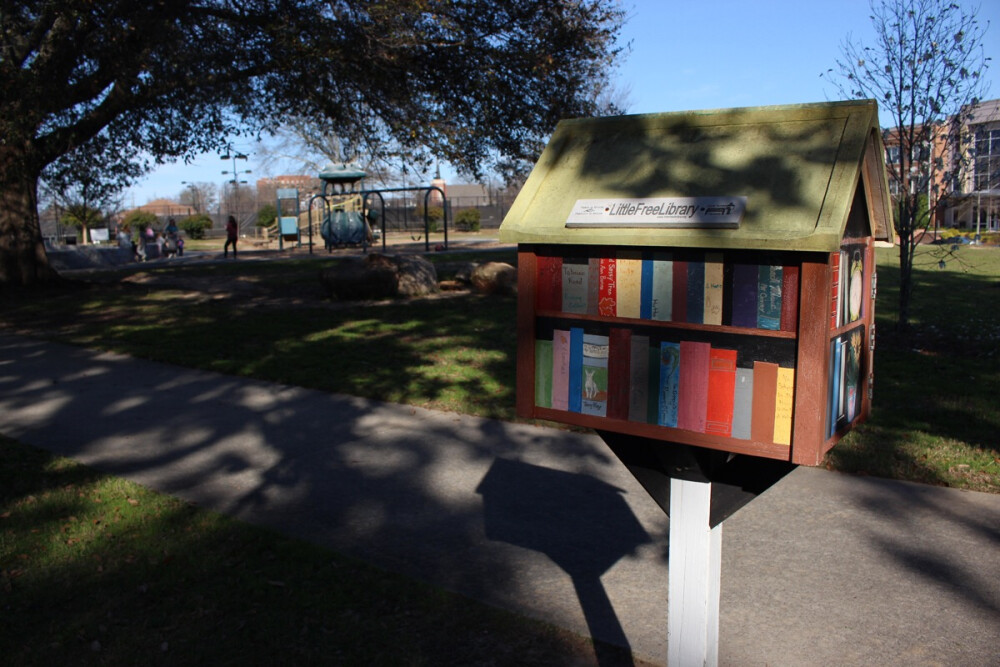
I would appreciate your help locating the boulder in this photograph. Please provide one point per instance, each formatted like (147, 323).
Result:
(494, 278)
(377, 276)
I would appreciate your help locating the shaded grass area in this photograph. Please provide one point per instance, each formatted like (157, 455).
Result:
(936, 408)
(98, 570)
(936, 411)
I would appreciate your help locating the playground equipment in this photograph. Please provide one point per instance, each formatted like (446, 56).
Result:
(341, 208)
(288, 217)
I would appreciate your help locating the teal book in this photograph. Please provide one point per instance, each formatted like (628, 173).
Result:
(543, 373)
(670, 366)
(662, 288)
(769, 297)
(594, 376)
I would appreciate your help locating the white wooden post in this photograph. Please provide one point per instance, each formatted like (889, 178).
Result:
(694, 577)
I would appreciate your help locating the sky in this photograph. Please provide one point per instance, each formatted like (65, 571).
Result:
(685, 55)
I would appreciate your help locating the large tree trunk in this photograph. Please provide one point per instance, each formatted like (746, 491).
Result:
(23, 261)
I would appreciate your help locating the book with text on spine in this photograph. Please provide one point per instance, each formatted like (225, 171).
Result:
(594, 375)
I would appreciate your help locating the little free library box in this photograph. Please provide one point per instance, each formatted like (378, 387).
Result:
(704, 278)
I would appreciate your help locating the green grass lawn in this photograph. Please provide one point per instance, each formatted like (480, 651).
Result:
(935, 416)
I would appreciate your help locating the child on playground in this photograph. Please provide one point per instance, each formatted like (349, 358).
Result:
(232, 234)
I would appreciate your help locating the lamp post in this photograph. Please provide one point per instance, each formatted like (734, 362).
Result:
(235, 180)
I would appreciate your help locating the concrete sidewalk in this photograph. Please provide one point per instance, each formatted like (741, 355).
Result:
(823, 569)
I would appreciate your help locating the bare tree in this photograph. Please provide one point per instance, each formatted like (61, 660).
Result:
(925, 70)
(201, 196)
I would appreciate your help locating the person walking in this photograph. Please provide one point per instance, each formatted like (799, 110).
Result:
(232, 234)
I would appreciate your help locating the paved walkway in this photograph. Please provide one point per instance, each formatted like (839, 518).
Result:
(823, 569)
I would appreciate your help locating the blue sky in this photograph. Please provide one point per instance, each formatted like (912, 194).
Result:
(692, 55)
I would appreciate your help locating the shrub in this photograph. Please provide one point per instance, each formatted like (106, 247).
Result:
(266, 215)
(468, 220)
(435, 214)
(138, 220)
(194, 226)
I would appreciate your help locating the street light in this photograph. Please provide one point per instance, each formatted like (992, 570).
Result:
(235, 180)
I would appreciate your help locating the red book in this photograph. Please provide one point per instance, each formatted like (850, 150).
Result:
(607, 298)
(692, 406)
(549, 283)
(721, 392)
(790, 298)
(619, 375)
(765, 391)
(680, 292)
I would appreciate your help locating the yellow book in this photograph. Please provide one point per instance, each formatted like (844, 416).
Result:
(783, 406)
(628, 279)
(713, 289)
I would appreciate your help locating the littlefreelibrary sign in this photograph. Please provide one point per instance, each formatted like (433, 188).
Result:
(659, 212)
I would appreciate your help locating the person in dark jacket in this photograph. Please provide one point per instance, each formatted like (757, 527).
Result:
(232, 234)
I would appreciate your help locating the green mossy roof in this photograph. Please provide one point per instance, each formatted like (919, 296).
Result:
(798, 166)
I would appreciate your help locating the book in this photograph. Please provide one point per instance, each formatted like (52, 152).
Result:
(549, 287)
(835, 290)
(646, 289)
(543, 373)
(833, 388)
(783, 398)
(742, 403)
(769, 297)
(669, 394)
(678, 292)
(619, 372)
(575, 279)
(789, 298)
(745, 295)
(576, 369)
(638, 373)
(693, 399)
(663, 287)
(765, 387)
(721, 392)
(628, 283)
(712, 313)
(560, 369)
(607, 299)
(593, 286)
(695, 292)
(855, 285)
(594, 375)
(852, 374)
(653, 390)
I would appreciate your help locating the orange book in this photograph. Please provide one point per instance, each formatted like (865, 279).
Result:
(765, 388)
(721, 392)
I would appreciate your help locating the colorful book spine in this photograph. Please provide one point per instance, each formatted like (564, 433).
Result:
(593, 284)
(646, 289)
(695, 292)
(679, 291)
(620, 382)
(790, 298)
(607, 304)
(745, 295)
(693, 405)
(549, 283)
(714, 273)
(769, 297)
(575, 278)
(576, 369)
(561, 345)
(835, 290)
(721, 392)
(783, 399)
(669, 392)
(743, 403)
(594, 375)
(663, 287)
(833, 386)
(543, 373)
(638, 373)
(628, 287)
(765, 387)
